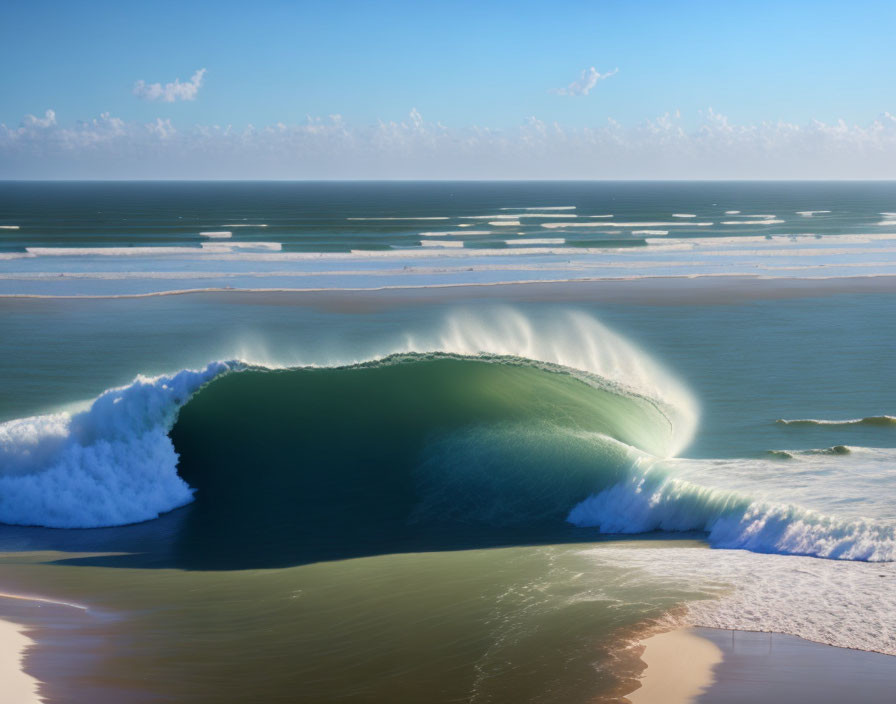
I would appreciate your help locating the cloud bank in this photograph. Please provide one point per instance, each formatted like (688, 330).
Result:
(170, 92)
(586, 82)
(109, 147)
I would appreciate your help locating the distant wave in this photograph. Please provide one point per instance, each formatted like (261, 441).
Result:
(791, 454)
(546, 207)
(869, 420)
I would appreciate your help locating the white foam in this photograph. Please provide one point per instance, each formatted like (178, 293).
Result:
(881, 420)
(732, 212)
(844, 604)
(546, 207)
(111, 464)
(110, 251)
(9, 227)
(246, 224)
(505, 223)
(536, 241)
(656, 497)
(768, 221)
(683, 215)
(556, 225)
(650, 232)
(222, 234)
(203, 248)
(514, 216)
(455, 233)
(228, 246)
(442, 243)
(810, 213)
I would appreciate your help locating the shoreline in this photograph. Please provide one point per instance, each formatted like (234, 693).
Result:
(699, 665)
(619, 289)
(19, 687)
(41, 648)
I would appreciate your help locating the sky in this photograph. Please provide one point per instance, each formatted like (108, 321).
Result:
(429, 89)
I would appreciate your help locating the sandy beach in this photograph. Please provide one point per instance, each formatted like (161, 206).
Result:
(718, 666)
(18, 686)
(46, 646)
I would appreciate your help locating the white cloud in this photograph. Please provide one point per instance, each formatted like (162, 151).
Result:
(668, 146)
(587, 81)
(48, 120)
(170, 92)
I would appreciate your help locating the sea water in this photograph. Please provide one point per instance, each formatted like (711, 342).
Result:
(476, 497)
(125, 238)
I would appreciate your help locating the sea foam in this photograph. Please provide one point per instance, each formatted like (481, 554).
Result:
(110, 464)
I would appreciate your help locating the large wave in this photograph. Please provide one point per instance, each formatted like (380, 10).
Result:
(494, 375)
(490, 419)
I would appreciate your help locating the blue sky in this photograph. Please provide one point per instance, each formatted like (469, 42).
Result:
(458, 65)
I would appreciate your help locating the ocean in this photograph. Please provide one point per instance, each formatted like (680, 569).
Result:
(118, 238)
(268, 441)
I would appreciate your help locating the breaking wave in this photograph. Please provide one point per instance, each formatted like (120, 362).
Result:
(489, 419)
(433, 403)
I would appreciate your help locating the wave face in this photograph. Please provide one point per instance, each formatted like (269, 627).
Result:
(488, 419)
